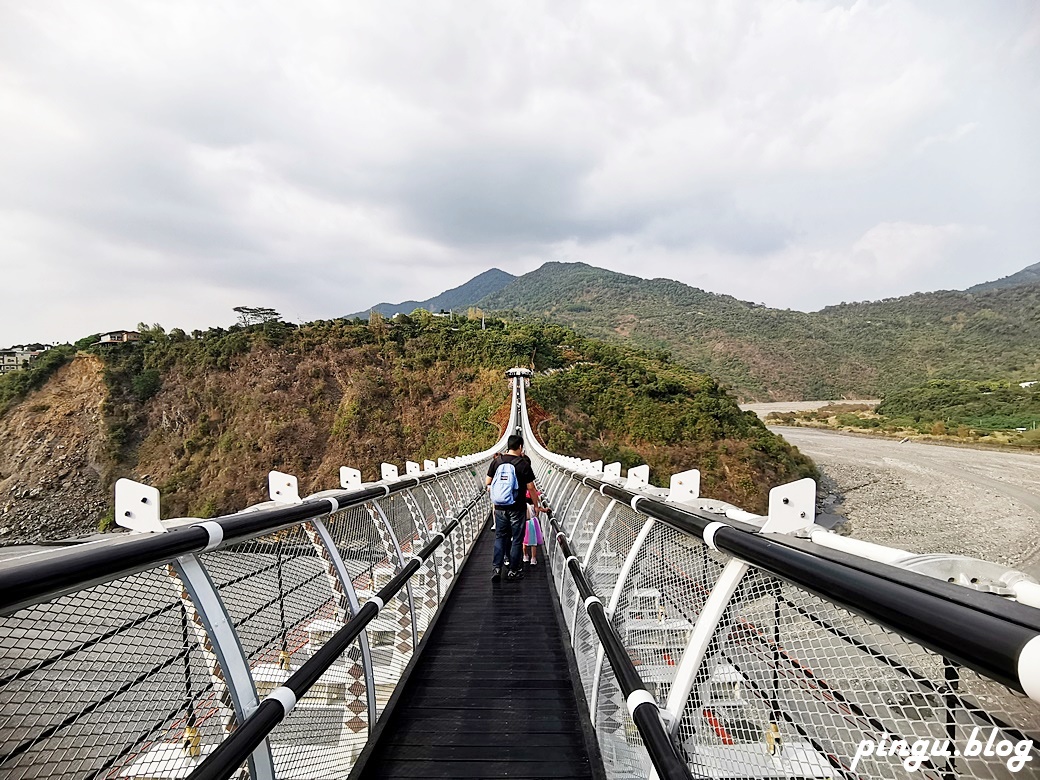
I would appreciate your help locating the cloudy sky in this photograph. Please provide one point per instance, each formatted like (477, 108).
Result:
(165, 162)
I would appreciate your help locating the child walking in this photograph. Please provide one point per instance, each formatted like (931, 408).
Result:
(532, 535)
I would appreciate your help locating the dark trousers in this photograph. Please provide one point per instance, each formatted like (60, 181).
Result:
(509, 532)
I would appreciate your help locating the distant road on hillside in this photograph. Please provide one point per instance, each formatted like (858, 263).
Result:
(932, 498)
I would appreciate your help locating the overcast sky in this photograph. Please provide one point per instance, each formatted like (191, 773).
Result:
(166, 162)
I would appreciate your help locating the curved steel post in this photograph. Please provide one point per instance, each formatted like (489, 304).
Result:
(560, 511)
(424, 534)
(573, 531)
(400, 562)
(596, 532)
(569, 535)
(327, 551)
(615, 597)
(228, 650)
(703, 630)
(588, 555)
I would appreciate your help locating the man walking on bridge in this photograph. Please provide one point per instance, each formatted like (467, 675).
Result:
(505, 476)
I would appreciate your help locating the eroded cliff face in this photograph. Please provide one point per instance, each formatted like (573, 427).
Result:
(209, 439)
(51, 458)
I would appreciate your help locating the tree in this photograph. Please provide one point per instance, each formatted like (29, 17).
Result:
(422, 317)
(154, 332)
(255, 315)
(377, 324)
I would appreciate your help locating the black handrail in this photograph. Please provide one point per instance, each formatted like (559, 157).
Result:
(931, 613)
(646, 714)
(45, 576)
(692, 521)
(229, 754)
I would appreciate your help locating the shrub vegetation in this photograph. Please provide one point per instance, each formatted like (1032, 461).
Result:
(206, 415)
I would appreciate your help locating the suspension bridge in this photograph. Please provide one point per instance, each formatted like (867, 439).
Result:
(356, 633)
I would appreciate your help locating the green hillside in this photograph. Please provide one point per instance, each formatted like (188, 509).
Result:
(205, 418)
(853, 350)
(996, 413)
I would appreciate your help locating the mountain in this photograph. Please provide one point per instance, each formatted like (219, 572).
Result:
(1027, 275)
(205, 419)
(858, 350)
(456, 299)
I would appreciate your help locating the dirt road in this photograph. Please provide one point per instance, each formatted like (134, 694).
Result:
(931, 498)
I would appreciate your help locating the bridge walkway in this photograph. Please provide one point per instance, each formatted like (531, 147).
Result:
(492, 693)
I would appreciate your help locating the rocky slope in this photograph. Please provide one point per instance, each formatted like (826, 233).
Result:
(51, 458)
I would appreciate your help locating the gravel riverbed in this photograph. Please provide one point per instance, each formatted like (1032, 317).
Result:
(929, 498)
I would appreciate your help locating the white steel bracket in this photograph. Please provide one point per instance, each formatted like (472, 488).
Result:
(137, 507)
(428, 465)
(283, 488)
(638, 476)
(349, 478)
(792, 507)
(411, 467)
(613, 470)
(388, 471)
(685, 487)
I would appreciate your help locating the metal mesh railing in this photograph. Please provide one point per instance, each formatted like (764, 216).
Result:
(807, 665)
(90, 679)
(267, 644)
(146, 674)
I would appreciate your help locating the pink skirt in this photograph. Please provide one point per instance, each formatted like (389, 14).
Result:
(533, 532)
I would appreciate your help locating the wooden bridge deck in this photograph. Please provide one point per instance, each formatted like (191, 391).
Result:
(492, 693)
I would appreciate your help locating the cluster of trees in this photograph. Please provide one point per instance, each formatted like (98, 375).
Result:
(255, 315)
(270, 395)
(616, 404)
(983, 406)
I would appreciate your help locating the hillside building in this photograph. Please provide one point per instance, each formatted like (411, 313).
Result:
(120, 337)
(17, 358)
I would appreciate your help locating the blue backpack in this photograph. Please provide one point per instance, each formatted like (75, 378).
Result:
(505, 490)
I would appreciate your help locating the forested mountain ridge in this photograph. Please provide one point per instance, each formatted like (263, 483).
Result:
(204, 419)
(856, 350)
(1027, 275)
(458, 298)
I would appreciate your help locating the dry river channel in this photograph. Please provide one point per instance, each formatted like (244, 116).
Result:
(929, 498)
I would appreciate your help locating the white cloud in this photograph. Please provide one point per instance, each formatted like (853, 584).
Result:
(889, 260)
(947, 138)
(892, 251)
(321, 158)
